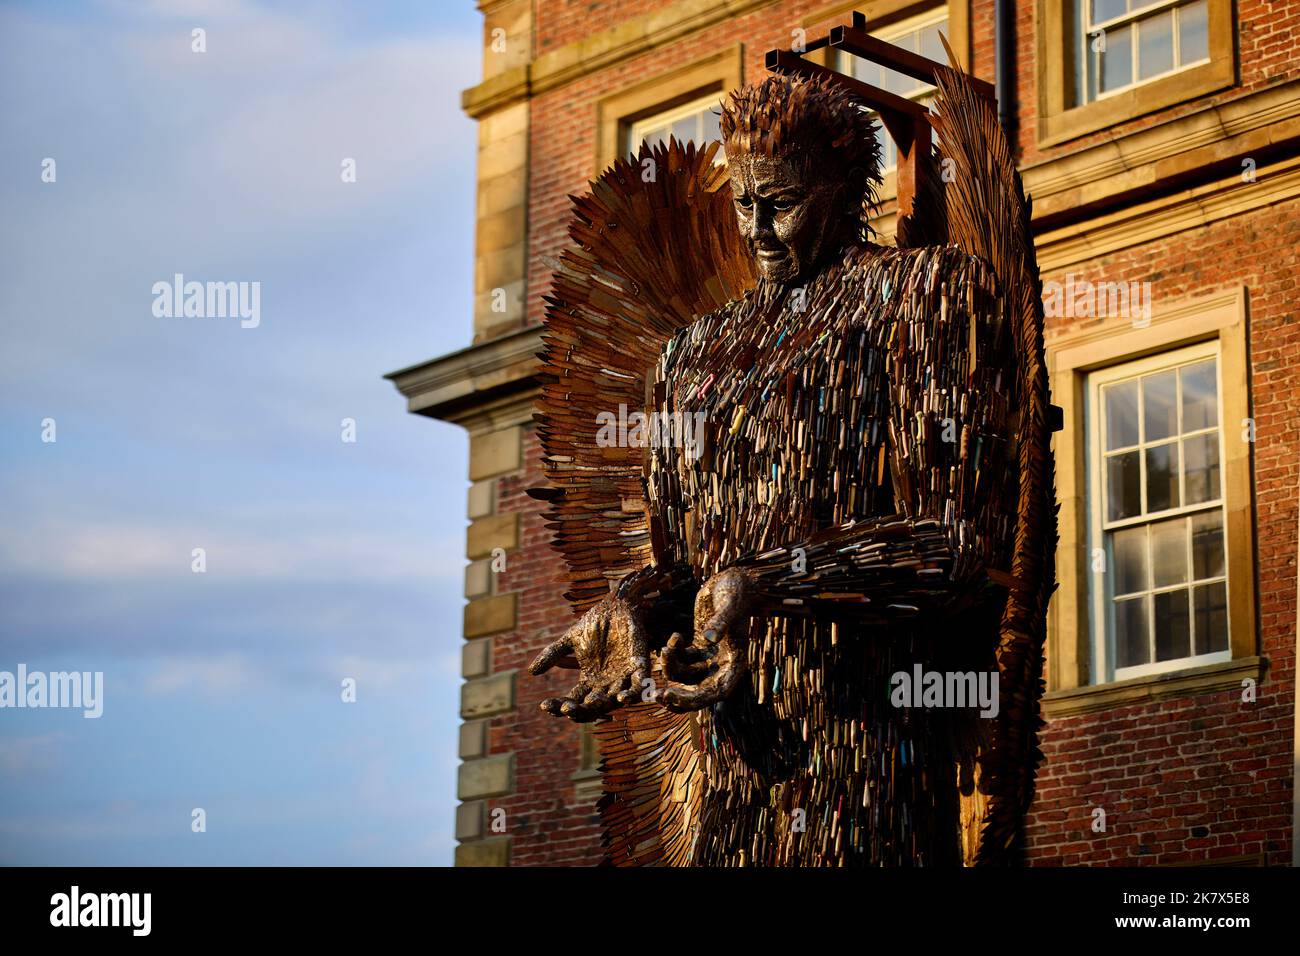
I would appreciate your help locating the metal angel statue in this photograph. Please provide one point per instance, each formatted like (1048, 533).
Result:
(868, 492)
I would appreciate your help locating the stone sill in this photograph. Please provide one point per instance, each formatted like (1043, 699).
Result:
(1182, 683)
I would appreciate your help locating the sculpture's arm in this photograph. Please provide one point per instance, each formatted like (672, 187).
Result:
(872, 570)
(880, 568)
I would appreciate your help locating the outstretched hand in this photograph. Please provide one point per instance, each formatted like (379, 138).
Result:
(609, 646)
(715, 660)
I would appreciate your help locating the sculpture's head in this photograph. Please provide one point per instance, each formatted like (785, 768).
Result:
(804, 164)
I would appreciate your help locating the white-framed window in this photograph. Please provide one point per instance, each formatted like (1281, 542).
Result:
(919, 34)
(1124, 43)
(697, 121)
(1157, 542)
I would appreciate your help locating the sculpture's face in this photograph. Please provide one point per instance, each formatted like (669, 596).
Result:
(787, 217)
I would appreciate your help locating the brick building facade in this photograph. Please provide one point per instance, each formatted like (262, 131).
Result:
(1166, 157)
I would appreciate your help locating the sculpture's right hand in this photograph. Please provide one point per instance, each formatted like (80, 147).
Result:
(609, 645)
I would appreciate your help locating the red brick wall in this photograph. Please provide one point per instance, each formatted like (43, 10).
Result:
(1204, 777)
(1161, 771)
(567, 21)
(546, 824)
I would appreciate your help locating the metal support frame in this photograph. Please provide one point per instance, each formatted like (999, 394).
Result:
(907, 121)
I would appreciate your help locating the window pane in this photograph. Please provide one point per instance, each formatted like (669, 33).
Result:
(1131, 634)
(1160, 405)
(1207, 545)
(712, 127)
(1153, 461)
(1129, 550)
(657, 134)
(896, 82)
(1173, 635)
(1103, 10)
(1200, 396)
(1162, 477)
(1117, 61)
(1121, 415)
(1193, 33)
(1122, 486)
(1202, 464)
(686, 129)
(1156, 45)
(931, 47)
(1169, 552)
(1211, 604)
(923, 40)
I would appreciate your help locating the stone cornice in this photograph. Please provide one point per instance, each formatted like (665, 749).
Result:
(491, 379)
(1171, 153)
(1169, 213)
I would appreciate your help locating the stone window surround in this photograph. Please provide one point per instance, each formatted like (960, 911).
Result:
(1055, 49)
(718, 72)
(1220, 316)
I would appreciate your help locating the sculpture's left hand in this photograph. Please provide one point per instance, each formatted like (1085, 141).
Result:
(715, 660)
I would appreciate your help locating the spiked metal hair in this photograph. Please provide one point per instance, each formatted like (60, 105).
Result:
(810, 120)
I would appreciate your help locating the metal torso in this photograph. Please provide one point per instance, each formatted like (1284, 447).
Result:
(807, 764)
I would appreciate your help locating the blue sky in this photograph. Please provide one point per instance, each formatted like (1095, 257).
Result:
(325, 559)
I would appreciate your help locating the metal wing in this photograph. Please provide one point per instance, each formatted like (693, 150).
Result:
(654, 247)
(983, 211)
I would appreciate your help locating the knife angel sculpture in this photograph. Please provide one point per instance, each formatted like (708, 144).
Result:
(803, 488)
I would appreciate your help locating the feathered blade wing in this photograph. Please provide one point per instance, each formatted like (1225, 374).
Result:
(983, 211)
(654, 247)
